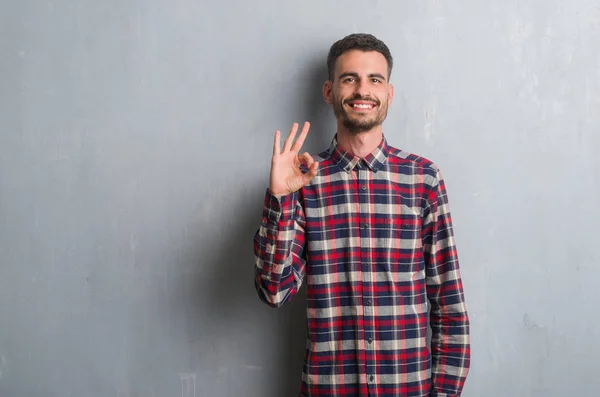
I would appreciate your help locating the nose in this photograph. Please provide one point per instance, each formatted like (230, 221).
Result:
(362, 88)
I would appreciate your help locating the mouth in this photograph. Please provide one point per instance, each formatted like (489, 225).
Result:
(362, 106)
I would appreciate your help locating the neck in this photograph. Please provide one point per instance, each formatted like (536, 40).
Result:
(359, 144)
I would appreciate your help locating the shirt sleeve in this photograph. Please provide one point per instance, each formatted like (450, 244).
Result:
(449, 321)
(279, 247)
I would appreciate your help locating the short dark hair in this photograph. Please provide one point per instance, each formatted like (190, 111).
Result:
(358, 41)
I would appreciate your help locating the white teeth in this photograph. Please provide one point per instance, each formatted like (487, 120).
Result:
(360, 106)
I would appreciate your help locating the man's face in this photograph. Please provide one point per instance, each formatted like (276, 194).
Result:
(360, 92)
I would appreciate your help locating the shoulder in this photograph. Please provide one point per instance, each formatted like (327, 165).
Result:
(414, 164)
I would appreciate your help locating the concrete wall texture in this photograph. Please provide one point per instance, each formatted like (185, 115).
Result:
(135, 144)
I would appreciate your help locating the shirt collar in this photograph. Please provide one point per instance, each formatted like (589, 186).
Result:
(347, 161)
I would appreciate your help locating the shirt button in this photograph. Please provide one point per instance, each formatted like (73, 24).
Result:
(368, 302)
(371, 378)
(366, 265)
(364, 187)
(366, 226)
(370, 340)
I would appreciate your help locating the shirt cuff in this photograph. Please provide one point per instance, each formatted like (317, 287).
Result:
(279, 209)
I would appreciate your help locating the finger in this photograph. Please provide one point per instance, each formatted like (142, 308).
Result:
(312, 172)
(277, 144)
(306, 159)
(301, 137)
(290, 139)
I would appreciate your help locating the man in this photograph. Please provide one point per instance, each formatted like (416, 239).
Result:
(369, 229)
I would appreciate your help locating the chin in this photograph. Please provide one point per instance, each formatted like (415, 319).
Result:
(359, 128)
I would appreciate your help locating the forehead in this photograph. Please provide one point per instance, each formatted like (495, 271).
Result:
(361, 62)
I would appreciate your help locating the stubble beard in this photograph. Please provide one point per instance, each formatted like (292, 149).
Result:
(357, 124)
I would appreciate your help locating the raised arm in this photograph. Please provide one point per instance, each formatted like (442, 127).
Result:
(279, 243)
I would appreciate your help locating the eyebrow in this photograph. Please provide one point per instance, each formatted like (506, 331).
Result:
(354, 74)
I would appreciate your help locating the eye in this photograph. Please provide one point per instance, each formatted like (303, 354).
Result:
(375, 80)
(349, 80)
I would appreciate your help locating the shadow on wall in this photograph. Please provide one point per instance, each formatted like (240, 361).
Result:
(316, 111)
(254, 350)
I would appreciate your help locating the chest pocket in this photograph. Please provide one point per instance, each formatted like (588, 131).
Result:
(399, 237)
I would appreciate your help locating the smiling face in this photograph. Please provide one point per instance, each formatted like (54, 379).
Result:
(359, 90)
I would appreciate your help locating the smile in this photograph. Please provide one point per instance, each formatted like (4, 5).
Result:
(362, 106)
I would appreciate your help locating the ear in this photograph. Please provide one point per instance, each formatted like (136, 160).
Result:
(328, 92)
(390, 94)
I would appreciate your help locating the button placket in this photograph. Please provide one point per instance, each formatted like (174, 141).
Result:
(367, 275)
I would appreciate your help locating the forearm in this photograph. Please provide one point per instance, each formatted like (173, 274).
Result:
(278, 249)
(449, 321)
(450, 349)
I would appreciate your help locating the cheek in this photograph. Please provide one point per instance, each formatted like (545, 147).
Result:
(339, 98)
(341, 94)
(384, 96)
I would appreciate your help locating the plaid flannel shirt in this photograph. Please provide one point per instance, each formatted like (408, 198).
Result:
(373, 240)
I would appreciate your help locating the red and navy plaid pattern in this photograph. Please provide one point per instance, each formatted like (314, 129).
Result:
(373, 240)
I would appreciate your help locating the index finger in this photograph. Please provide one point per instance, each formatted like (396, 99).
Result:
(276, 144)
(300, 141)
